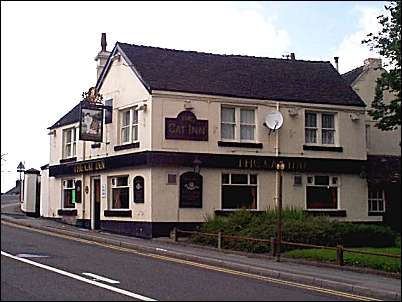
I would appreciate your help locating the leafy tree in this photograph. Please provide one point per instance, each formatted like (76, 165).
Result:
(388, 43)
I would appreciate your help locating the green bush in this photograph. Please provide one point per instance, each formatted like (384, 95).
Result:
(297, 227)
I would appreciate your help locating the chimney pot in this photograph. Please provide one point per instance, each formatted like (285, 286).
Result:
(292, 56)
(336, 63)
(103, 42)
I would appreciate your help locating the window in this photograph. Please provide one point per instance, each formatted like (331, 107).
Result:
(69, 142)
(69, 194)
(322, 192)
(319, 128)
(376, 201)
(109, 112)
(171, 179)
(239, 191)
(237, 124)
(119, 192)
(129, 126)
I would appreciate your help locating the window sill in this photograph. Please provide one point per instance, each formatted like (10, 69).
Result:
(127, 146)
(240, 144)
(228, 211)
(67, 212)
(68, 160)
(117, 213)
(330, 213)
(322, 148)
(376, 213)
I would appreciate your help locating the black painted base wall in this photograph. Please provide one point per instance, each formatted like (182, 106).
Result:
(146, 230)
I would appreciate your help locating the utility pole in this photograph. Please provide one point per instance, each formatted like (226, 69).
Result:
(279, 167)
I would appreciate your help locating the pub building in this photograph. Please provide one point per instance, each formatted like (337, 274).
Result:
(184, 137)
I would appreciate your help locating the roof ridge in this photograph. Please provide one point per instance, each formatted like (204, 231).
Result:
(221, 55)
(350, 71)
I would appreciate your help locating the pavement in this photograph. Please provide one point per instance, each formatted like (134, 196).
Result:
(380, 285)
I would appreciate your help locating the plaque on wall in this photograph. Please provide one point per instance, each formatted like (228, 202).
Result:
(186, 126)
(190, 190)
(138, 189)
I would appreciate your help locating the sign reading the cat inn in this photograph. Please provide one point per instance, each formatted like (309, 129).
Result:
(186, 127)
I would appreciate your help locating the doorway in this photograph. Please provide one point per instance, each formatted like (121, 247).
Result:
(96, 201)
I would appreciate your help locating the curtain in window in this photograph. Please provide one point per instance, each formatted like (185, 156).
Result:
(228, 123)
(247, 124)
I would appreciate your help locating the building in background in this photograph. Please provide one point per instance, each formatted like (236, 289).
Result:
(383, 148)
(186, 139)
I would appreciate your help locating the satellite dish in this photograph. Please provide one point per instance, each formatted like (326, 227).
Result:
(273, 120)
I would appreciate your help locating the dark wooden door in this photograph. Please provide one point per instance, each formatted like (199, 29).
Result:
(97, 202)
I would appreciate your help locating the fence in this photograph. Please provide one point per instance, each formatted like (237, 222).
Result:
(274, 250)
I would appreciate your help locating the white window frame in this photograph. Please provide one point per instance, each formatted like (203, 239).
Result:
(72, 142)
(319, 128)
(377, 200)
(64, 184)
(237, 123)
(331, 184)
(115, 186)
(131, 125)
(248, 184)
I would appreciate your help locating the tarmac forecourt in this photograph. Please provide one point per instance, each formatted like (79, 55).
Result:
(287, 279)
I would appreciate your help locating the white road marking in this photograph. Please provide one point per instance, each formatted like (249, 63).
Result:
(100, 278)
(77, 277)
(31, 256)
(159, 249)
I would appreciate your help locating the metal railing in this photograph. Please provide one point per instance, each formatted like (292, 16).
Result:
(272, 242)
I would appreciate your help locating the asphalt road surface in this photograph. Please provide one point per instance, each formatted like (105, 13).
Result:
(39, 267)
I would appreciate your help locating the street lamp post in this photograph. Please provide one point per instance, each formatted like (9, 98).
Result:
(279, 167)
(20, 169)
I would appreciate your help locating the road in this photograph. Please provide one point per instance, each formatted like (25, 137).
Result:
(35, 266)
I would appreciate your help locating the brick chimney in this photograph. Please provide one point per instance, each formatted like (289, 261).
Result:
(372, 63)
(102, 56)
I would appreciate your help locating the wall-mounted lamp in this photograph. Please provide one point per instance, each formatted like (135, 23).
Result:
(197, 165)
(143, 107)
(354, 117)
(52, 132)
(188, 105)
(293, 112)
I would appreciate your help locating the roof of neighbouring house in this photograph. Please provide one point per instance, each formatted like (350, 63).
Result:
(352, 75)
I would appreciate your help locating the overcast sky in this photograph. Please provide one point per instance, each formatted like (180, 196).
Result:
(48, 50)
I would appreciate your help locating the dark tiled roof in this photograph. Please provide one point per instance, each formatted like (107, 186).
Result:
(71, 117)
(383, 168)
(350, 76)
(240, 76)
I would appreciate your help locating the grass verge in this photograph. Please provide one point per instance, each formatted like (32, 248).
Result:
(382, 263)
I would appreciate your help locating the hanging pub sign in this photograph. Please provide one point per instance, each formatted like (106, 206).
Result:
(186, 127)
(190, 190)
(91, 117)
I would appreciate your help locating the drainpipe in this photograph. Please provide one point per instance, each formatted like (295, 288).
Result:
(277, 155)
(83, 191)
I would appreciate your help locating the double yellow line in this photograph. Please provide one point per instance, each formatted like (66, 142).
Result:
(199, 265)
